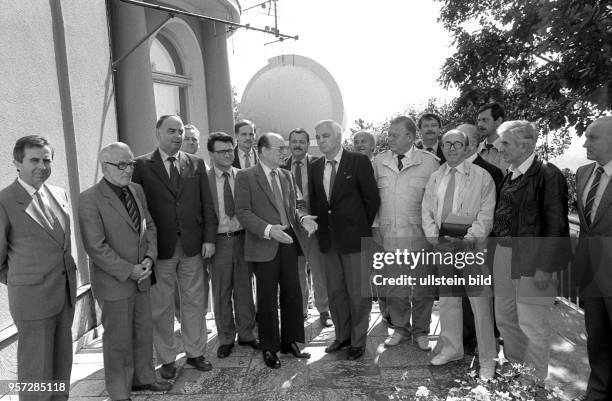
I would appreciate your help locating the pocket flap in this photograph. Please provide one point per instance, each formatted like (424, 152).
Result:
(26, 279)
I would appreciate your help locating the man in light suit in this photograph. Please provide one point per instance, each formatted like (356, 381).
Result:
(244, 154)
(300, 165)
(463, 189)
(230, 276)
(593, 260)
(121, 241)
(266, 207)
(37, 267)
(178, 195)
(345, 199)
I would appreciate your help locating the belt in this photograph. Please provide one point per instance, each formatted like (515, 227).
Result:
(230, 234)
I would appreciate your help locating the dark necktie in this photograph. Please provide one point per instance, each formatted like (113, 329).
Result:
(298, 176)
(228, 197)
(247, 160)
(488, 147)
(400, 165)
(175, 177)
(332, 178)
(430, 150)
(131, 207)
(279, 199)
(50, 217)
(588, 207)
(447, 207)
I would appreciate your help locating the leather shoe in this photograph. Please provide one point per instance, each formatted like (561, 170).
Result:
(292, 348)
(224, 350)
(168, 370)
(337, 345)
(326, 319)
(355, 353)
(442, 359)
(271, 359)
(155, 386)
(253, 344)
(200, 363)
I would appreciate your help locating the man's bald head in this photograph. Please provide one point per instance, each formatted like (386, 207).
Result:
(599, 140)
(473, 137)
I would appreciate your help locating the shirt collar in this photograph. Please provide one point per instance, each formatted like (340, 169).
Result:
(219, 172)
(29, 189)
(267, 170)
(522, 169)
(496, 144)
(303, 161)
(165, 156)
(472, 158)
(607, 168)
(337, 157)
(461, 168)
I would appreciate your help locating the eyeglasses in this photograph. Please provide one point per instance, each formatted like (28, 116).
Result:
(282, 149)
(123, 165)
(225, 152)
(456, 145)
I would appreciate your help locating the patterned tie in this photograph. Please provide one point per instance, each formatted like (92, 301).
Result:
(279, 199)
(588, 207)
(332, 178)
(50, 217)
(175, 177)
(298, 176)
(447, 207)
(228, 197)
(131, 207)
(400, 165)
(247, 159)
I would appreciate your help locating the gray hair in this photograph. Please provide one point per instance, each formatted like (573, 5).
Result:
(470, 130)
(107, 151)
(521, 130)
(368, 134)
(337, 128)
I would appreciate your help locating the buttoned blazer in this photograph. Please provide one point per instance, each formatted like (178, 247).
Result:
(112, 241)
(354, 202)
(188, 210)
(36, 266)
(256, 208)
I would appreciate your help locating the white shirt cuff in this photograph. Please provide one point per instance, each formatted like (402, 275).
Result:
(267, 231)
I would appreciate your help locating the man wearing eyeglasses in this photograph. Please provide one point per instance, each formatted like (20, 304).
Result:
(463, 192)
(266, 206)
(179, 199)
(230, 276)
(121, 240)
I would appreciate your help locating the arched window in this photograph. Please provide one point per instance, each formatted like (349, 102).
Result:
(170, 84)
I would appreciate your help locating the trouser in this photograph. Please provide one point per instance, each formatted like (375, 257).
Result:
(598, 322)
(313, 260)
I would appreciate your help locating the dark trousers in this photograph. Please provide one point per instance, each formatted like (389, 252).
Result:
(282, 271)
(598, 322)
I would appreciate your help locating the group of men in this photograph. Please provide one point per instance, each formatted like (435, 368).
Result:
(160, 223)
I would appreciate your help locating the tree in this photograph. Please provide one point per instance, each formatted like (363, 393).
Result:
(547, 61)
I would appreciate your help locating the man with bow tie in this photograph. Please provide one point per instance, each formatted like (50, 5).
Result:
(37, 267)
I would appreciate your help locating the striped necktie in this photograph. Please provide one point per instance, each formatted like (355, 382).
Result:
(131, 207)
(588, 206)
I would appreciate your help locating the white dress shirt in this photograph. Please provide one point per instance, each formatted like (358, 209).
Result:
(242, 156)
(603, 183)
(522, 169)
(327, 172)
(460, 179)
(226, 224)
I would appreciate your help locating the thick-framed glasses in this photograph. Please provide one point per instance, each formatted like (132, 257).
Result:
(456, 145)
(225, 152)
(123, 165)
(282, 149)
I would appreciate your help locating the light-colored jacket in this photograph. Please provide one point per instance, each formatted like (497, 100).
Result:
(476, 199)
(401, 194)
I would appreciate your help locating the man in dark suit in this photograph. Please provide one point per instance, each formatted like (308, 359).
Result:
(178, 195)
(230, 275)
(300, 164)
(429, 125)
(121, 241)
(37, 267)
(266, 207)
(593, 260)
(244, 155)
(345, 199)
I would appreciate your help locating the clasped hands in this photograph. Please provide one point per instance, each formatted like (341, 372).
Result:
(277, 231)
(142, 270)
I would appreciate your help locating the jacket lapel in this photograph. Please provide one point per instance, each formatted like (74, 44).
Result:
(262, 181)
(114, 202)
(60, 198)
(185, 168)
(581, 181)
(31, 208)
(158, 167)
(604, 203)
(212, 181)
(340, 176)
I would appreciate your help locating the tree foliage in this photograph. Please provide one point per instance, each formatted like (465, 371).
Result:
(548, 61)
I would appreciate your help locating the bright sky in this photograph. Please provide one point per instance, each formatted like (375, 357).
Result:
(385, 55)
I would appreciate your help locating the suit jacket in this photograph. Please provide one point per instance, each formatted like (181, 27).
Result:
(236, 162)
(112, 242)
(439, 153)
(354, 202)
(256, 208)
(36, 266)
(493, 170)
(592, 266)
(188, 210)
(309, 160)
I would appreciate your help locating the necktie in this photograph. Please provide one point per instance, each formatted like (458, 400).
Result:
(332, 178)
(400, 165)
(247, 159)
(447, 207)
(488, 147)
(228, 197)
(279, 199)
(175, 177)
(50, 217)
(131, 207)
(430, 150)
(298, 176)
(588, 207)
